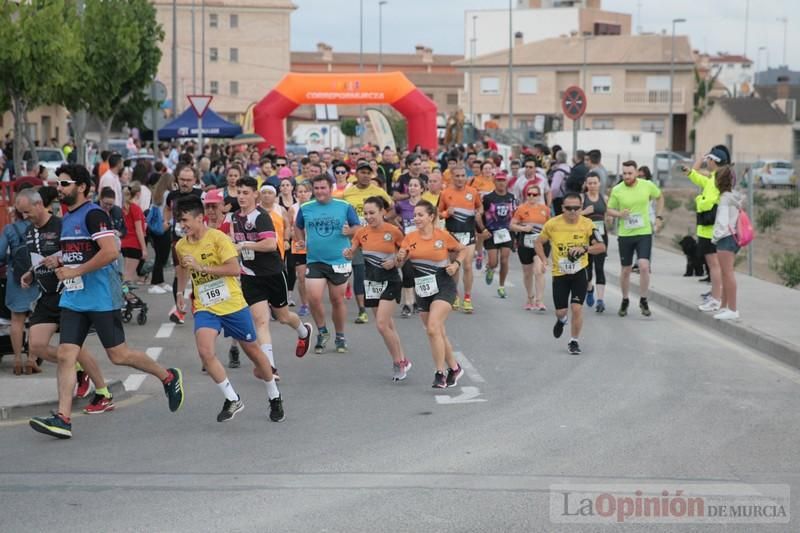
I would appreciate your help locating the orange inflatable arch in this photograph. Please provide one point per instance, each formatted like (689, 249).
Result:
(346, 88)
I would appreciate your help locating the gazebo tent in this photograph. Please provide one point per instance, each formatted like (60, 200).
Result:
(185, 125)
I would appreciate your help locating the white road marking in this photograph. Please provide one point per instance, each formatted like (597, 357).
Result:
(469, 368)
(468, 395)
(133, 382)
(154, 353)
(165, 330)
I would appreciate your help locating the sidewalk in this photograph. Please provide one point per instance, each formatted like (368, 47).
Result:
(769, 312)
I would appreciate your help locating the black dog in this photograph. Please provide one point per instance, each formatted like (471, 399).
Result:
(695, 264)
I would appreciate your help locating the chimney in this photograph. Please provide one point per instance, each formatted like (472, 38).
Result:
(783, 88)
(326, 51)
(518, 39)
(427, 58)
(419, 49)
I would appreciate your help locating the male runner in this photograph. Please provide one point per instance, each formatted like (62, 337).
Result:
(211, 259)
(92, 296)
(498, 208)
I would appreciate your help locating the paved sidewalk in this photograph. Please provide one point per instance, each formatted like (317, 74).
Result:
(769, 312)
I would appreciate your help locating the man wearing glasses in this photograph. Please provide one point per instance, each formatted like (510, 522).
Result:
(572, 236)
(92, 296)
(531, 176)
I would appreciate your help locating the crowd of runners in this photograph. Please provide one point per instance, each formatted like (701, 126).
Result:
(255, 235)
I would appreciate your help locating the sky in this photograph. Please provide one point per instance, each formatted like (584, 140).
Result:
(713, 25)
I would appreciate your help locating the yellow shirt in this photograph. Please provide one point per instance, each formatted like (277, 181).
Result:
(224, 291)
(355, 197)
(430, 197)
(563, 236)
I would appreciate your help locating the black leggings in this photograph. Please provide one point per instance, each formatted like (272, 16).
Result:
(598, 262)
(162, 245)
(291, 275)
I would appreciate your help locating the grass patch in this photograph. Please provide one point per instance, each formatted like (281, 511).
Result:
(787, 266)
(768, 219)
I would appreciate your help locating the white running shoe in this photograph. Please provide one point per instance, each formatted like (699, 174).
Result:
(712, 304)
(155, 289)
(727, 314)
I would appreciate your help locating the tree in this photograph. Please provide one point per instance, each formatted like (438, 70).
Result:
(700, 100)
(348, 127)
(37, 43)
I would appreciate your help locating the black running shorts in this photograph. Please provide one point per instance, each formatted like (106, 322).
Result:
(75, 326)
(569, 289)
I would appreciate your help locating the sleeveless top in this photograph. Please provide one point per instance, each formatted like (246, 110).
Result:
(599, 207)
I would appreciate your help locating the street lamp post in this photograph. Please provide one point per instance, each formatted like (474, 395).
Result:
(510, 73)
(380, 33)
(174, 58)
(361, 64)
(472, 43)
(785, 21)
(670, 128)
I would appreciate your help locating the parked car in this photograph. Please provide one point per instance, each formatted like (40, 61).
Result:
(50, 158)
(773, 173)
(667, 166)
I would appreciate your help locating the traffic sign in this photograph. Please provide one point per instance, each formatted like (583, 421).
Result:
(200, 103)
(573, 103)
(156, 91)
(147, 119)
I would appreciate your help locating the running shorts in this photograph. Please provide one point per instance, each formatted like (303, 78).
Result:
(569, 289)
(272, 289)
(642, 245)
(325, 271)
(237, 325)
(75, 326)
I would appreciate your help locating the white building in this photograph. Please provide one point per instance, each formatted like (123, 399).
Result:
(735, 72)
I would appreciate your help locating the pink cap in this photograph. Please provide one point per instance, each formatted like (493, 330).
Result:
(213, 196)
(285, 172)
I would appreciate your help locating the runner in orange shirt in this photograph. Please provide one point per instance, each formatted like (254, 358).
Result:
(484, 184)
(461, 207)
(528, 220)
(379, 242)
(429, 250)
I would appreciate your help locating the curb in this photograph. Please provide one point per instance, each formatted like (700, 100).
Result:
(23, 410)
(753, 338)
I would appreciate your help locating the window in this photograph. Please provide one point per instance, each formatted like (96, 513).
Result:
(601, 84)
(234, 21)
(490, 85)
(213, 55)
(602, 123)
(656, 125)
(602, 28)
(527, 85)
(234, 55)
(214, 87)
(213, 20)
(730, 65)
(430, 95)
(234, 88)
(452, 99)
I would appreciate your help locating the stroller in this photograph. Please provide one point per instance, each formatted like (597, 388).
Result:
(133, 303)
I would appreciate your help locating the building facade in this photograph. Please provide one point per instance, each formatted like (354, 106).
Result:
(734, 72)
(626, 80)
(241, 45)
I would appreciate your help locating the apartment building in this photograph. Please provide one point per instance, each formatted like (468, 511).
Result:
(626, 79)
(246, 50)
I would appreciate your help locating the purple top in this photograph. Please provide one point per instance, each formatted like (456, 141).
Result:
(405, 211)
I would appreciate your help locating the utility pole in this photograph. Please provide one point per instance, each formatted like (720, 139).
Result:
(361, 64)
(380, 33)
(194, 53)
(174, 58)
(203, 46)
(670, 133)
(510, 73)
(746, 24)
(785, 21)
(472, 43)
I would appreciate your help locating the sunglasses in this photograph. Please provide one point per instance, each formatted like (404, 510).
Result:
(533, 194)
(280, 164)
(340, 172)
(572, 208)
(65, 183)
(354, 153)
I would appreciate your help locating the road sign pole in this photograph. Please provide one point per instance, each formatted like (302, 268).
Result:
(199, 138)
(574, 137)
(154, 112)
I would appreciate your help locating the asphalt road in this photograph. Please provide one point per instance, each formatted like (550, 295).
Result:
(651, 401)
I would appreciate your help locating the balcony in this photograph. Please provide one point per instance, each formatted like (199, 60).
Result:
(653, 97)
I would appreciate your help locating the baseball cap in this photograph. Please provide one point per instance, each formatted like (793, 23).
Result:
(285, 172)
(502, 175)
(717, 155)
(363, 164)
(213, 196)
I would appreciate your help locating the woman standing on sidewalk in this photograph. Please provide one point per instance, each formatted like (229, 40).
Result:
(161, 242)
(723, 238)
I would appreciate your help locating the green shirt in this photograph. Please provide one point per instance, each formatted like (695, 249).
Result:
(635, 199)
(706, 200)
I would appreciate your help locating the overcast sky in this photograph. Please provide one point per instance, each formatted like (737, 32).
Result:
(714, 25)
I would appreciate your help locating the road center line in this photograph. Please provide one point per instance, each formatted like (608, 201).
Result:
(133, 382)
(469, 368)
(165, 330)
(154, 352)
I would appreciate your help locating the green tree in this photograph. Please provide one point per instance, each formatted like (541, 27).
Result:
(700, 101)
(37, 43)
(348, 127)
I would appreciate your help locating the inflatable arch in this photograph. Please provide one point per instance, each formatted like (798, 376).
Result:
(346, 88)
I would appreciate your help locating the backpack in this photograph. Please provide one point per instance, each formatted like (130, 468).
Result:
(20, 257)
(744, 234)
(155, 220)
(574, 182)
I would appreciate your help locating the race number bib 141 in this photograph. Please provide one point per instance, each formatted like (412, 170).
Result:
(568, 267)
(374, 289)
(500, 236)
(529, 240)
(343, 268)
(213, 292)
(426, 286)
(634, 221)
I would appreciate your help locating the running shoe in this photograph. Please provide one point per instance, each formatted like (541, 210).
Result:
(176, 316)
(479, 261)
(302, 344)
(727, 314)
(292, 303)
(275, 374)
(712, 304)
(501, 292)
(173, 388)
(590, 298)
(574, 348)
(644, 307)
(303, 311)
(156, 289)
(401, 370)
(54, 425)
(489, 275)
(322, 340)
(439, 381)
(99, 404)
(341, 344)
(623, 309)
(233, 357)
(348, 293)
(453, 375)
(467, 306)
(529, 307)
(362, 318)
(276, 413)
(705, 296)
(405, 312)
(229, 409)
(540, 307)
(415, 309)
(558, 329)
(600, 307)
(457, 304)
(83, 384)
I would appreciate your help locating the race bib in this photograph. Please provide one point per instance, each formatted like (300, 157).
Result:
(529, 240)
(73, 284)
(362, 221)
(569, 267)
(634, 221)
(248, 254)
(500, 236)
(343, 268)
(426, 286)
(374, 289)
(213, 292)
(600, 226)
(463, 237)
(410, 226)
